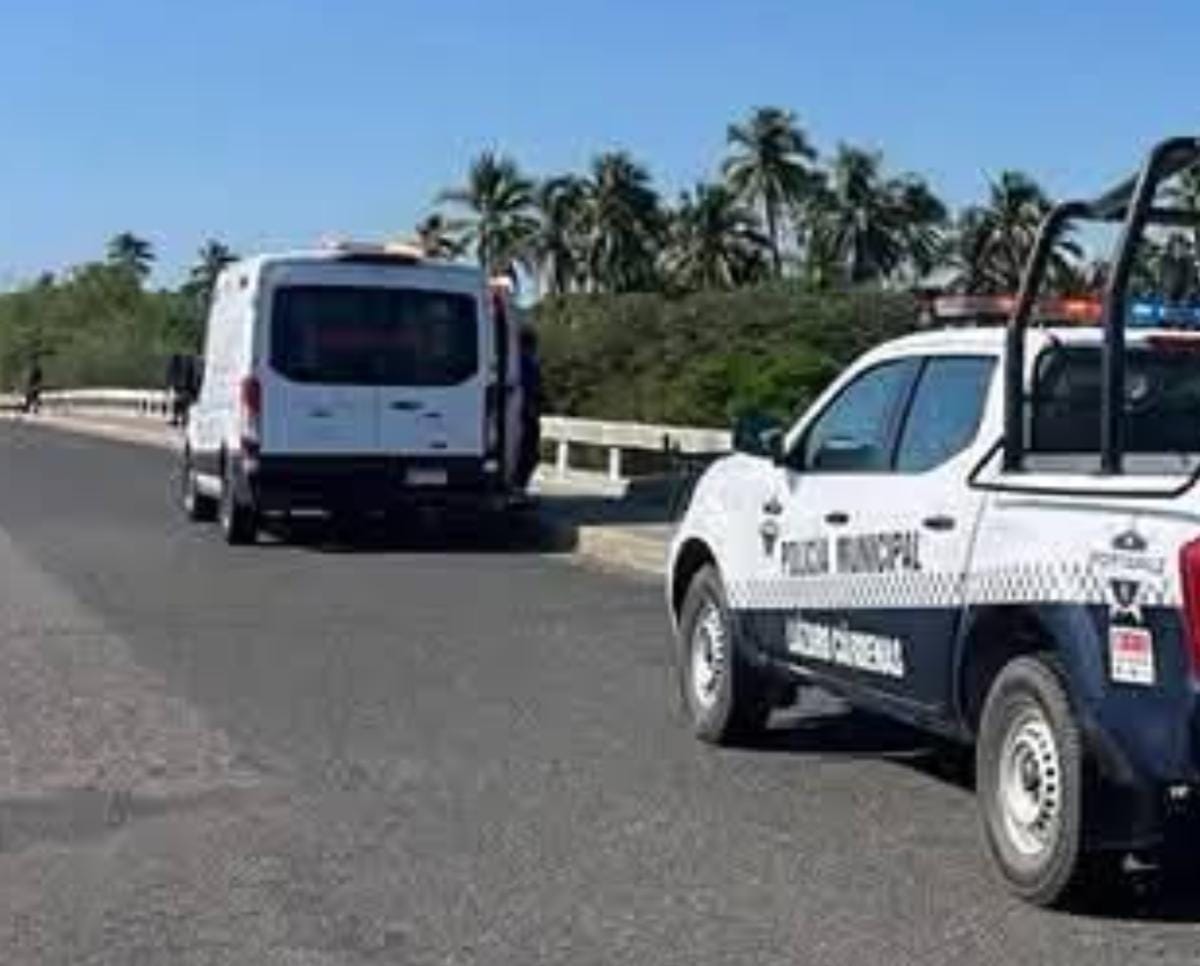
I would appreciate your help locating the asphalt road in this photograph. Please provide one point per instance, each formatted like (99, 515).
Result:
(310, 753)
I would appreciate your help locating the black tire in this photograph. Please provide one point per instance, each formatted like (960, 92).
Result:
(239, 521)
(733, 702)
(196, 506)
(1029, 765)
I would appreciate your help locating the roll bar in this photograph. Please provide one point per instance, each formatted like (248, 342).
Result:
(1133, 203)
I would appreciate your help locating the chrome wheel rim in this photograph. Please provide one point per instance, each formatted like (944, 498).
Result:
(1030, 785)
(708, 653)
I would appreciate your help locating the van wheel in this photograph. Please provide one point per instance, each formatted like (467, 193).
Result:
(239, 521)
(726, 698)
(1029, 777)
(196, 506)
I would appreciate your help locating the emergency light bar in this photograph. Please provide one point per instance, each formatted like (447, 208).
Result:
(998, 309)
(984, 309)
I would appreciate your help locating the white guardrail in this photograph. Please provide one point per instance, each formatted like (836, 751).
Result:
(567, 433)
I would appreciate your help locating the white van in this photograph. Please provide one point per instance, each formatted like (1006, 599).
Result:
(350, 379)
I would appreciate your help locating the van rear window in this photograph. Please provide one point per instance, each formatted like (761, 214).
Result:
(1162, 401)
(350, 335)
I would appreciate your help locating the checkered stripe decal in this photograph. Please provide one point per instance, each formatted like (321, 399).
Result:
(1043, 582)
(904, 588)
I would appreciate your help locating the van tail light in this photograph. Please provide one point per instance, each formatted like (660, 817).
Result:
(251, 415)
(1189, 578)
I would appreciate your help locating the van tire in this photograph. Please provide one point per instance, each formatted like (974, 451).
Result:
(239, 521)
(1029, 781)
(197, 507)
(727, 699)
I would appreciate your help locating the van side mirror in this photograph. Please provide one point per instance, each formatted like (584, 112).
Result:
(756, 434)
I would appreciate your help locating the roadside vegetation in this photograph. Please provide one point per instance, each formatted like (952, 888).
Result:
(748, 289)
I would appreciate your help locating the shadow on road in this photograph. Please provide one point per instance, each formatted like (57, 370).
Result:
(823, 725)
(525, 532)
(1131, 891)
(548, 524)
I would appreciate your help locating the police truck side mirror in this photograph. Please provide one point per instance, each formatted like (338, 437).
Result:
(756, 434)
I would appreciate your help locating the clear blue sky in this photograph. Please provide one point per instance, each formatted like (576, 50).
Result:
(272, 122)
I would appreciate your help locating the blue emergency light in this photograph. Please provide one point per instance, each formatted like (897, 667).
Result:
(1153, 315)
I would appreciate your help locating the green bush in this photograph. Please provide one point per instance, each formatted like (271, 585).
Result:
(703, 359)
(95, 326)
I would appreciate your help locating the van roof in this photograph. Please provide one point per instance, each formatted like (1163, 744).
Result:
(254, 264)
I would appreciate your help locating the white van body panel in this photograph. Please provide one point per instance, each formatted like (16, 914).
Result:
(228, 357)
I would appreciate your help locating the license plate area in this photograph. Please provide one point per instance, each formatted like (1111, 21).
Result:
(425, 476)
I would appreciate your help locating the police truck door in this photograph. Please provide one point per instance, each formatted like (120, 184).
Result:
(883, 483)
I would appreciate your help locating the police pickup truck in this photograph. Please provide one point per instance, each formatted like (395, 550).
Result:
(992, 534)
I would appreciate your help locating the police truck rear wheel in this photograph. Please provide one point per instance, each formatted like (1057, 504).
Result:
(725, 697)
(1029, 776)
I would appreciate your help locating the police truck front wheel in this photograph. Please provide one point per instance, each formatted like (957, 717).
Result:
(239, 520)
(1029, 775)
(726, 698)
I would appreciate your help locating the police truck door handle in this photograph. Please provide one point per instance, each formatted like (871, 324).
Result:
(939, 522)
(837, 518)
(405, 405)
(773, 507)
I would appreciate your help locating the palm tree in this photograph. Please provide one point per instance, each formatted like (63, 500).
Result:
(715, 242)
(994, 240)
(1166, 268)
(768, 165)
(923, 218)
(625, 225)
(437, 238)
(561, 242)
(1185, 193)
(863, 223)
(212, 257)
(131, 253)
(498, 224)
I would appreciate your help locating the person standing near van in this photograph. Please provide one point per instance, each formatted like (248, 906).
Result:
(33, 387)
(531, 407)
(174, 386)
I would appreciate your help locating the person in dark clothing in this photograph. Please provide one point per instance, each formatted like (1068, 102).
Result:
(33, 388)
(180, 382)
(531, 407)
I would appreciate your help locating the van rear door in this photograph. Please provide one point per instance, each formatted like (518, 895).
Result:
(321, 395)
(431, 397)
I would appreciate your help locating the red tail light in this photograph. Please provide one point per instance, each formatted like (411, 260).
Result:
(251, 414)
(1189, 577)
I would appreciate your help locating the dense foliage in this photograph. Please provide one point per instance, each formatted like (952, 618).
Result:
(99, 325)
(705, 358)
